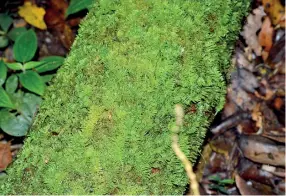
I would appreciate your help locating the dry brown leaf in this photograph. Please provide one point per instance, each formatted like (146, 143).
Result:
(254, 23)
(262, 150)
(5, 155)
(244, 188)
(265, 37)
(67, 37)
(55, 20)
(276, 11)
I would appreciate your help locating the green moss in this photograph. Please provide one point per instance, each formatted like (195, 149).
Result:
(105, 122)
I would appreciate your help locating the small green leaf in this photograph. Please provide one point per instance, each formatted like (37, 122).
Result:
(78, 5)
(14, 125)
(50, 63)
(15, 66)
(11, 84)
(5, 100)
(3, 41)
(33, 82)
(5, 22)
(48, 78)
(215, 178)
(16, 32)
(32, 64)
(3, 73)
(25, 46)
(226, 181)
(223, 190)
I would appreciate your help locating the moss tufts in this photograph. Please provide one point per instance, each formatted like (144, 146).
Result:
(104, 127)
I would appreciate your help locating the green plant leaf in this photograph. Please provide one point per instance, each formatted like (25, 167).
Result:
(48, 78)
(32, 64)
(5, 100)
(33, 82)
(16, 32)
(3, 73)
(14, 125)
(223, 190)
(78, 5)
(25, 46)
(50, 63)
(215, 178)
(5, 22)
(226, 181)
(33, 101)
(3, 41)
(11, 84)
(15, 66)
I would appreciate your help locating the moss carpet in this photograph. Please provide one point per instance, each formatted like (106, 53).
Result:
(104, 126)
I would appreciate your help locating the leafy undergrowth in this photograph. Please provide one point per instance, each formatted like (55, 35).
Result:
(246, 153)
(104, 127)
(29, 60)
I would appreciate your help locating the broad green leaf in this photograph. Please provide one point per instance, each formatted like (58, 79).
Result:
(3, 41)
(50, 63)
(5, 100)
(26, 103)
(25, 46)
(16, 32)
(33, 101)
(5, 22)
(15, 66)
(3, 73)
(17, 99)
(48, 78)
(11, 84)
(33, 82)
(78, 5)
(15, 125)
(32, 64)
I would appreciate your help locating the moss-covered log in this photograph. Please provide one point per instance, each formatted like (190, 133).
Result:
(104, 127)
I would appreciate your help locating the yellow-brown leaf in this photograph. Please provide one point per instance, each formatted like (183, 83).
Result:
(33, 15)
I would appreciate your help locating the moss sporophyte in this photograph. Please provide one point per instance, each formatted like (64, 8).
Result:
(112, 101)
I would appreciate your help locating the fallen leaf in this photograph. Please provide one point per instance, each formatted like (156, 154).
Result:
(257, 116)
(33, 15)
(277, 52)
(59, 5)
(244, 187)
(55, 20)
(5, 156)
(265, 36)
(262, 150)
(252, 171)
(67, 37)
(275, 10)
(254, 22)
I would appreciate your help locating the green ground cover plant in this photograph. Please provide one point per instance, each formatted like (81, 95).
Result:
(104, 126)
(18, 105)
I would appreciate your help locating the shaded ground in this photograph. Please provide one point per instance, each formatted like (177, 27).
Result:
(245, 154)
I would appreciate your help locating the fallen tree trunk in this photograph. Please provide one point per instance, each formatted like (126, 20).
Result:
(104, 126)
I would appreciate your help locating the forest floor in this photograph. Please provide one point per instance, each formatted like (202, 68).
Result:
(244, 152)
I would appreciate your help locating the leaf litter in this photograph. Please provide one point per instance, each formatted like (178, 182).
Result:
(248, 142)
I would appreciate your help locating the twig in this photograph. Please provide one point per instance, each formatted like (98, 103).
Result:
(230, 122)
(194, 186)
